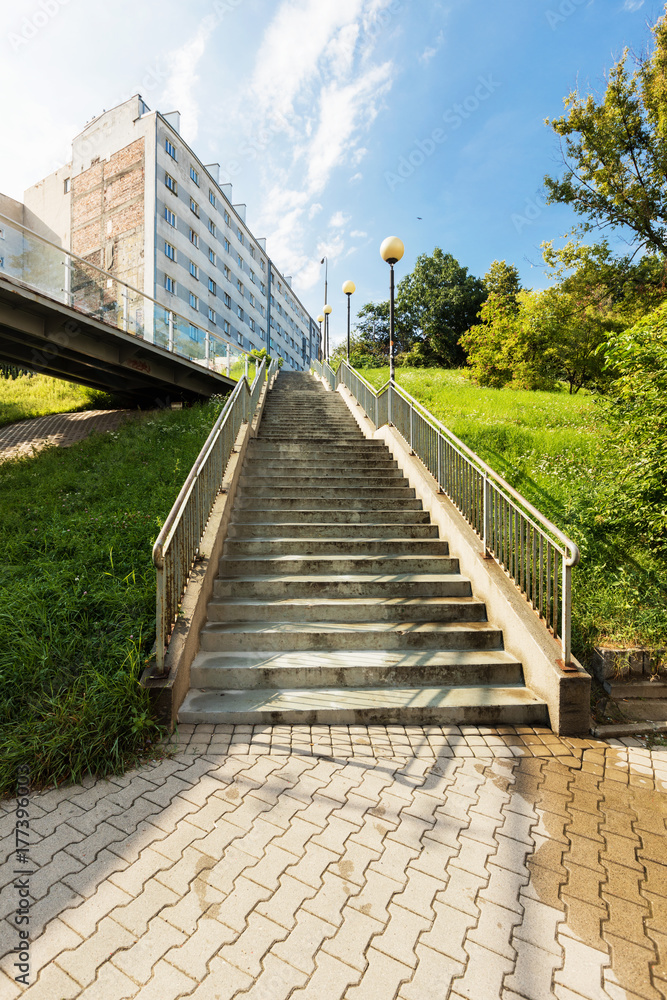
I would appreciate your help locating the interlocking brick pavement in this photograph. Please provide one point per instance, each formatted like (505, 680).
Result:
(346, 863)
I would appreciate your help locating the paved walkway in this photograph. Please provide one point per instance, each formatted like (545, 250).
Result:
(375, 863)
(62, 429)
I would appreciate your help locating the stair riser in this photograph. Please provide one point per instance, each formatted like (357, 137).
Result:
(348, 504)
(237, 548)
(329, 492)
(274, 589)
(331, 481)
(296, 467)
(245, 679)
(234, 642)
(473, 715)
(327, 531)
(318, 612)
(350, 518)
(306, 451)
(314, 565)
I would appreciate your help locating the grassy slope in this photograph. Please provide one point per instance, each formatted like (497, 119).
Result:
(77, 602)
(551, 447)
(38, 395)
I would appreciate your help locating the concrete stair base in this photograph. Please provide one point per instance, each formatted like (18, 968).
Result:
(336, 601)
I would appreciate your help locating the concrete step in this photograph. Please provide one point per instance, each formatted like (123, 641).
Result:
(307, 450)
(352, 669)
(328, 481)
(272, 530)
(283, 546)
(313, 636)
(350, 609)
(484, 705)
(350, 504)
(324, 492)
(289, 584)
(295, 466)
(335, 565)
(349, 517)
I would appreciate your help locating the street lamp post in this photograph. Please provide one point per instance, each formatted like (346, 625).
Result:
(327, 313)
(320, 320)
(349, 288)
(391, 251)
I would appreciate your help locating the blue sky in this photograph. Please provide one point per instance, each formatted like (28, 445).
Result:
(339, 122)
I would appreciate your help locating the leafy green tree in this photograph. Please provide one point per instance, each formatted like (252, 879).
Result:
(615, 150)
(637, 407)
(502, 279)
(438, 302)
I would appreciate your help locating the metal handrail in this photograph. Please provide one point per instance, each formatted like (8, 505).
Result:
(124, 288)
(177, 544)
(513, 532)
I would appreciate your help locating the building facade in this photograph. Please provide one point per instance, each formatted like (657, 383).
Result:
(137, 202)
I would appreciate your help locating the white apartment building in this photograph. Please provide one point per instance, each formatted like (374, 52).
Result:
(136, 201)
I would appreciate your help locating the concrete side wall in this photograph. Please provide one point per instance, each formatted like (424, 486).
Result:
(20, 213)
(567, 693)
(48, 205)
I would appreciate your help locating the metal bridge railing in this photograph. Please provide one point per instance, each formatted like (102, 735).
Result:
(51, 270)
(534, 553)
(177, 544)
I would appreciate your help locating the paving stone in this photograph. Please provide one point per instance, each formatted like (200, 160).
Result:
(433, 976)
(330, 979)
(333, 895)
(186, 912)
(382, 978)
(419, 893)
(494, 929)
(631, 964)
(299, 947)
(136, 915)
(375, 895)
(582, 971)
(235, 908)
(533, 972)
(400, 937)
(484, 973)
(167, 983)
(350, 941)
(83, 961)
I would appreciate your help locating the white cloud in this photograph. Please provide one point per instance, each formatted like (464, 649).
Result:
(633, 5)
(314, 210)
(179, 92)
(358, 156)
(338, 220)
(355, 178)
(432, 50)
(358, 234)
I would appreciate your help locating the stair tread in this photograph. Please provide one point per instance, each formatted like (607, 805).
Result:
(318, 628)
(308, 602)
(346, 659)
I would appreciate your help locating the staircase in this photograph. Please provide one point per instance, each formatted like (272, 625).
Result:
(336, 600)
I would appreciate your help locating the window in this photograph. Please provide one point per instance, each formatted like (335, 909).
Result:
(225, 326)
(251, 324)
(263, 265)
(227, 246)
(227, 219)
(227, 273)
(170, 217)
(239, 235)
(194, 301)
(194, 207)
(169, 284)
(194, 270)
(251, 299)
(211, 314)
(262, 288)
(170, 182)
(253, 277)
(239, 337)
(262, 333)
(240, 260)
(194, 239)
(252, 252)
(194, 175)
(194, 332)
(211, 226)
(169, 250)
(240, 312)
(211, 255)
(227, 300)
(67, 184)
(170, 149)
(212, 198)
(212, 287)
(239, 285)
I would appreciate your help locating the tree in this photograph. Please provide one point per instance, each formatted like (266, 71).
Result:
(437, 303)
(615, 150)
(502, 279)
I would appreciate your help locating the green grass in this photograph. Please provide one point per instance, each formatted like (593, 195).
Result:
(77, 594)
(38, 395)
(554, 448)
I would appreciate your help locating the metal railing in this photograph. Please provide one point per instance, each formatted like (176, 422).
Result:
(45, 267)
(534, 553)
(177, 545)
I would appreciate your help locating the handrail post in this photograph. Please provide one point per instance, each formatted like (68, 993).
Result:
(412, 426)
(160, 621)
(486, 516)
(566, 638)
(389, 407)
(171, 331)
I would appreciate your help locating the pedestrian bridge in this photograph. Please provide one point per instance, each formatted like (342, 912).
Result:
(64, 317)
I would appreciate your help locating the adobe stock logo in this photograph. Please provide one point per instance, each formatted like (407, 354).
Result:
(453, 118)
(33, 24)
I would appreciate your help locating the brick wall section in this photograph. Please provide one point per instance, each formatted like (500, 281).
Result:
(108, 213)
